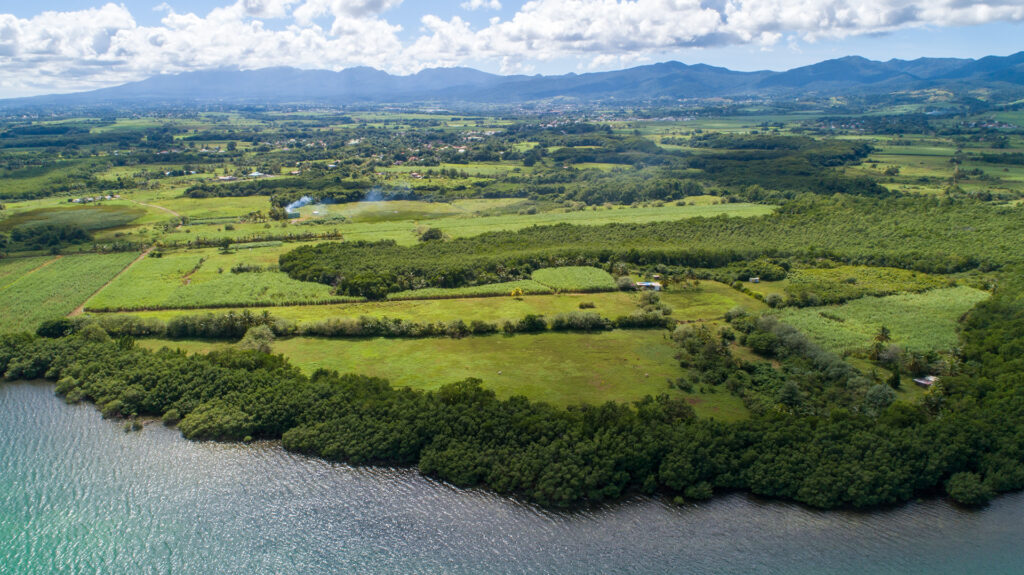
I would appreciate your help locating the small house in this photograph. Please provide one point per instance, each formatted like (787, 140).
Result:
(926, 381)
(755, 280)
(648, 286)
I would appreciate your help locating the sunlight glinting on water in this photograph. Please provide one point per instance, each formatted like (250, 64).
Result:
(77, 495)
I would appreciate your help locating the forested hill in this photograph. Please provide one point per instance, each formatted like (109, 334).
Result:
(669, 80)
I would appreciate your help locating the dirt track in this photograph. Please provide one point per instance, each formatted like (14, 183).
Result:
(80, 309)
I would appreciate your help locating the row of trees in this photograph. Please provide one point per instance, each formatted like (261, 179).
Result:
(234, 325)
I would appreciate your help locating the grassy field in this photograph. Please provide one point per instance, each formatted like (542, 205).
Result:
(489, 290)
(925, 168)
(93, 217)
(203, 278)
(12, 269)
(32, 179)
(709, 300)
(559, 368)
(767, 288)
(215, 207)
(398, 210)
(491, 309)
(575, 279)
(55, 289)
(404, 222)
(918, 322)
(851, 282)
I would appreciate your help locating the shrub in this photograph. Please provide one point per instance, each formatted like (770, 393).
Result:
(216, 419)
(55, 328)
(171, 417)
(258, 338)
(431, 234)
(477, 327)
(111, 408)
(531, 323)
(967, 488)
(642, 319)
(879, 397)
(735, 313)
(579, 321)
(699, 491)
(95, 333)
(65, 385)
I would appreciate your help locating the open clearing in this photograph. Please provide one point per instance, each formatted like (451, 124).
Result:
(575, 279)
(203, 279)
(709, 301)
(55, 289)
(406, 220)
(559, 368)
(919, 322)
(12, 269)
(492, 309)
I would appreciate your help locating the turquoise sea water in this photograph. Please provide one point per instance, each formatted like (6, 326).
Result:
(79, 495)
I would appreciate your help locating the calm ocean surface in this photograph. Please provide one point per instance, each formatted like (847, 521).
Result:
(78, 495)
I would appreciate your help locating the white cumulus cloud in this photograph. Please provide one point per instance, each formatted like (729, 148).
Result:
(93, 47)
(481, 4)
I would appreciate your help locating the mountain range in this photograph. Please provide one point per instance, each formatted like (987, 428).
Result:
(663, 81)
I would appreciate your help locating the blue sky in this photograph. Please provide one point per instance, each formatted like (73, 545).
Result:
(62, 46)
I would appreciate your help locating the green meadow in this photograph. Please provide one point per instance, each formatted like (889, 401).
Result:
(203, 279)
(919, 322)
(47, 288)
(558, 368)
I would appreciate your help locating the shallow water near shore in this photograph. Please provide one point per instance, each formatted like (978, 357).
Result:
(79, 495)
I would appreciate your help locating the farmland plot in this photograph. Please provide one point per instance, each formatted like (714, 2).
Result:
(203, 279)
(56, 289)
(918, 322)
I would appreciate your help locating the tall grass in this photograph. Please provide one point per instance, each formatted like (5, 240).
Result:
(526, 287)
(575, 279)
(200, 280)
(844, 283)
(918, 322)
(56, 289)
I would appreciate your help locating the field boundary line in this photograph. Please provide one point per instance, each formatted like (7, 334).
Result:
(30, 272)
(81, 308)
